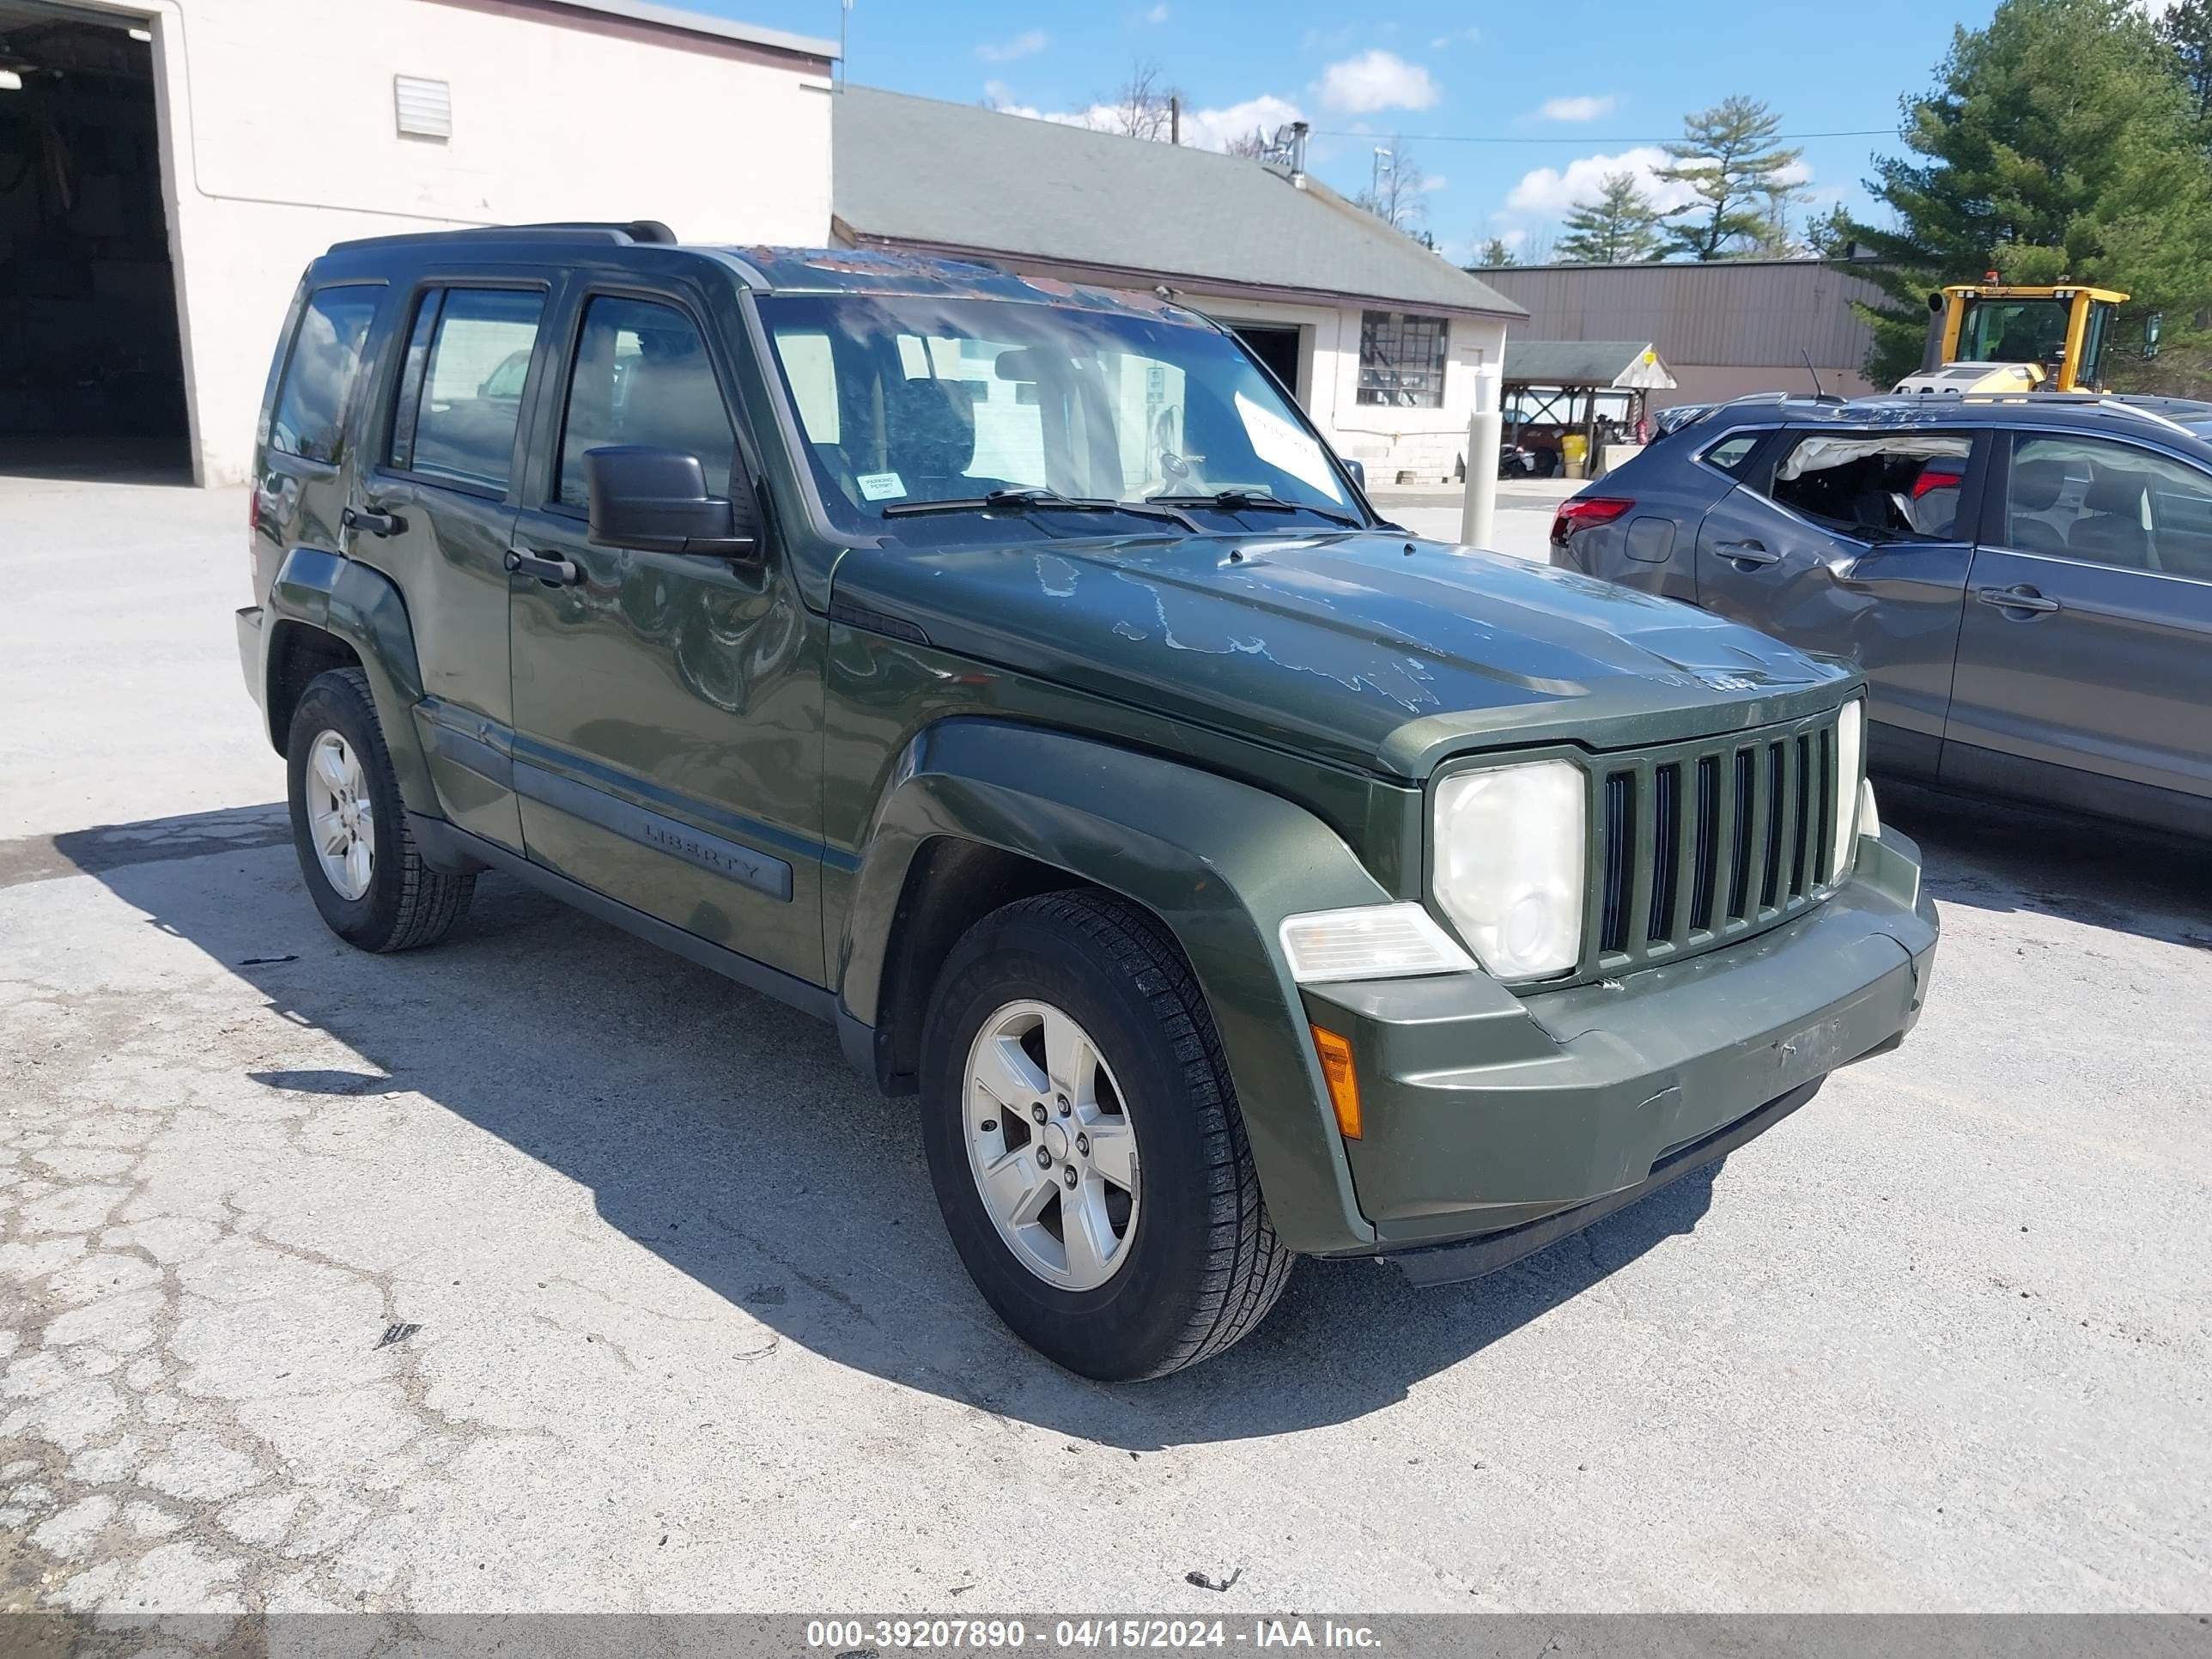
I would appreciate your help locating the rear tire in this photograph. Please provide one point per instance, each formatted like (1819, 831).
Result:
(350, 828)
(1199, 1264)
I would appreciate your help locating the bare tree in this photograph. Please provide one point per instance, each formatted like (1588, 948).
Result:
(1253, 145)
(1142, 106)
(1394, 191)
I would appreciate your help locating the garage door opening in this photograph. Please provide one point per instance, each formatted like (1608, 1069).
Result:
(1278, 348)
(92, 381)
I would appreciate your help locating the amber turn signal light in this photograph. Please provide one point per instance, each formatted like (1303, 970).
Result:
(1343, 1082)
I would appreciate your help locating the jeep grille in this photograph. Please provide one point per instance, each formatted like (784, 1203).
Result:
(1700, 844)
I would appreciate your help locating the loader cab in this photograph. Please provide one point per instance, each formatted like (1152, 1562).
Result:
(2002, 338)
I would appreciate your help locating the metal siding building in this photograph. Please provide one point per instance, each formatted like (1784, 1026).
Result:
(1726, 328)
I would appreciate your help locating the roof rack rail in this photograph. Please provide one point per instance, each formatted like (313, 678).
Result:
(629, 233)
(2113, 400)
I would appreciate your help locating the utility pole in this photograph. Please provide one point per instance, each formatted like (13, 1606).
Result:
(1175, 118)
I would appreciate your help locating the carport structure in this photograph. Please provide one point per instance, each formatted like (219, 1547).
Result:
(1559, 386)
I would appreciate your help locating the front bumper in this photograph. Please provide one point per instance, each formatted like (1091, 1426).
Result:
(1484, 1112)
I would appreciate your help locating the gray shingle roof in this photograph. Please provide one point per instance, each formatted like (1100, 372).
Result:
(917, 172)
(1573, 363)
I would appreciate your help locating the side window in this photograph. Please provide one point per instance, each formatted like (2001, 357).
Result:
(325, 356)
(468, 355)
(642, 376)
(2109, 503)
(1898, 486)
(1730, 453)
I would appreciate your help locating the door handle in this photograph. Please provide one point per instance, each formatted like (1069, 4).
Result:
(369, 519)
(2015, 598)
(561, 572)
(1747, 553)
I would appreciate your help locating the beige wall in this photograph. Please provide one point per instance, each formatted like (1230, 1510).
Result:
(280, 138)
(1426, 442)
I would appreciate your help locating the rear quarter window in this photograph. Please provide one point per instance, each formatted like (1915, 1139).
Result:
(319, 376)
(1732, 453)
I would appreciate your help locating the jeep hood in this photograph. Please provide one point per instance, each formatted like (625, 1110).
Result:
(1367, 648)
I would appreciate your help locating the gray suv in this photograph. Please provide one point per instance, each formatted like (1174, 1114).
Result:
(2026, 580)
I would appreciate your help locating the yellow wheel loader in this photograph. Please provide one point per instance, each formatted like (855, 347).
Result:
(1999, 336)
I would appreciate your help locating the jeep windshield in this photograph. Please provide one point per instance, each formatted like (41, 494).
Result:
(929, 418)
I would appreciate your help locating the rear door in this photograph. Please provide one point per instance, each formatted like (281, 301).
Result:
(437, 511)
(1852, 543)
(668, 705)
(2085, 662)
(299, 485)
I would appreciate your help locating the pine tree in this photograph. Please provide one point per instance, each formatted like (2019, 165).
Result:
(1744, 183)
(1621, 228)
(2060, 141)
(2187, 30)
(1494, 255)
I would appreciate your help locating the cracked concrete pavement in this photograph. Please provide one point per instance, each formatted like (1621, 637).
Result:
(544, 1271)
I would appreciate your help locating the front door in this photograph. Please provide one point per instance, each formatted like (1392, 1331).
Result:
(2085, 663)
(667, 706)
(437, 512)
(1853, 543)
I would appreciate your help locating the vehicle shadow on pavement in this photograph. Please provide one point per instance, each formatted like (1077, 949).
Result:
(2005, 857)
(725, 1133)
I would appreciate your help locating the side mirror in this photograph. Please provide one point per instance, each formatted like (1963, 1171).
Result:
(1357, 469)
(2154, 325)
(656, 500)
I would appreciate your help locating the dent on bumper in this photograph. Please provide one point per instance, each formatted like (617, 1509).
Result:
(1484, 1111)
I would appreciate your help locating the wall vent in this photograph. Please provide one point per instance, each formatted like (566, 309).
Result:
(425, 108)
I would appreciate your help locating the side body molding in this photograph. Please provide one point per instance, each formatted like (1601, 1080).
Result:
(1220, 862)
(360, 606)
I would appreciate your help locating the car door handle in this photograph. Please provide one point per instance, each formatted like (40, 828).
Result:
(2015, 598)
(559, 571)
(1747, 553)
(375, 523)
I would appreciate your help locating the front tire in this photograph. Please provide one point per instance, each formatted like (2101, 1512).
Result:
(1086, 1145)
(350, 828)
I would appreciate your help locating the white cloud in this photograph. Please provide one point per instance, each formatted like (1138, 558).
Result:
(1442, 41)
(1586, 106)
(1157, 14)
(1335, 40)
(1514, 238)
(1027, 43)
(1434, 181)
(1552, 191)
(1376, 80)
(1202, 129)
(1212, 129)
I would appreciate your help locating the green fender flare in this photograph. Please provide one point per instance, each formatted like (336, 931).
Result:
(360, 606)
(1221, 863)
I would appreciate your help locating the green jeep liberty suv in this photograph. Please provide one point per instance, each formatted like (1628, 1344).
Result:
(1008, 673)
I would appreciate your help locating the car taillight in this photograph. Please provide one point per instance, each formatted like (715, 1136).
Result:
(1581, 512)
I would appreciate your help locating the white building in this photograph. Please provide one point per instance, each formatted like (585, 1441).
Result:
(1380, 338)
(175, 164)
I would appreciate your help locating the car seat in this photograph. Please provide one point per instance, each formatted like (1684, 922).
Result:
(2110, 528)
(671, 402)
(2036, 488)
(931, 440)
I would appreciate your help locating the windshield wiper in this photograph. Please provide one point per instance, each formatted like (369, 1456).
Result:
(1238, 501)
(1017, 501)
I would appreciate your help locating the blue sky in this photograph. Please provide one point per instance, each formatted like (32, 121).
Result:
(1572, 90)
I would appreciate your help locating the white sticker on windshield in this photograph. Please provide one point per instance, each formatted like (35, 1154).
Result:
(1277, 443)
(881, 486)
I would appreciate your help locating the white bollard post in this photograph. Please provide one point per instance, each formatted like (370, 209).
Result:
(1485, 429)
